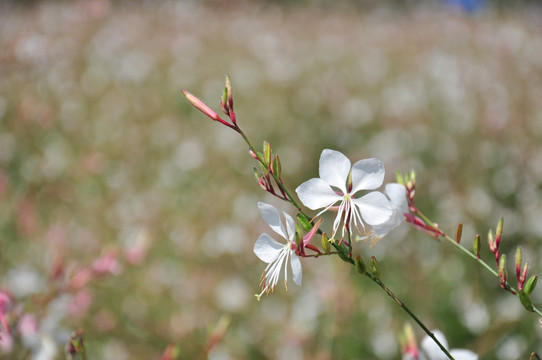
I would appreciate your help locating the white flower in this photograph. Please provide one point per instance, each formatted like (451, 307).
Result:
(434, 352)
(274, 253)
(399, 205)
(340, 182)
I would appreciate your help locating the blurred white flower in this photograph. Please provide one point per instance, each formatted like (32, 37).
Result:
(431, 351)
(274, 253)
(339, 181)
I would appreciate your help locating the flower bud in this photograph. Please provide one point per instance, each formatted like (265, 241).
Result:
(400, 178)
(267, 154)
(325, 243)
(530, 284)
(498, 232)
(198, 104)
(260, 180)
(360, 265)
(491, 242)
(476, 246)
(525, 300)
(518, 262)
(374, 268)
(305, 224)
(229, 93)
(458, 233)
(276, 166)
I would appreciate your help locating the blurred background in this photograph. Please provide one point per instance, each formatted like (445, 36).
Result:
(102, 159)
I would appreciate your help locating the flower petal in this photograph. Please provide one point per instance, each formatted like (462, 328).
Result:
(296, 269)
(334, 168)
(462, 354)
(316, 193)
(398, 197)
(290, 226)
(397, 194)
(431, 349)
(267, 248)
(367, 174)
(375, 208)
(272, 218)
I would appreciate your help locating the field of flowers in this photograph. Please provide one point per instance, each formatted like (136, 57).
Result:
(127, 214)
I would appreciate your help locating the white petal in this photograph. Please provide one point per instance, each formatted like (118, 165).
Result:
(267, 248)
(296, 269)
(272, 218)
(334, 168)
(290, 226)
(316, 193)
(367, 174)
(430, 347)
(462, 354)
(375, 208)
(398, 196)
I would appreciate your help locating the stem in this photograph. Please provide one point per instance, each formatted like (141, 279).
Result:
(275, 177)
(409, 312)
(473, 256)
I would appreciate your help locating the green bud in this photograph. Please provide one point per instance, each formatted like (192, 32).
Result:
(525, 300)
(276, 166)
(267, 154)
(304, 222)
(530, 284)
(476, 246)
(400, 178)
(374, 268)
(360, 265)
(458, 233)
(325, 244)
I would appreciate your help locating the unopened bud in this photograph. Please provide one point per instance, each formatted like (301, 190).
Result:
(198, 104)
(267, 154)
(304, 222)
(325, 243)
(276, 166)
(498, 232)
(458, 233)
(525, 300)
(229, 92)
(374, 268)
(491, 242)
(476, 246)
(530, 284)
(400, 178)
(518, 262)
(360, 265)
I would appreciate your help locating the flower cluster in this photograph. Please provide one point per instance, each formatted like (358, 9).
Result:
(340, 187)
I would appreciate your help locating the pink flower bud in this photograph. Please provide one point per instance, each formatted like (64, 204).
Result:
(198, 104)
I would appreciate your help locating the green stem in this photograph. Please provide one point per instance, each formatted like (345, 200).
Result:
(275, 177)
(474, 257)
(409, 312)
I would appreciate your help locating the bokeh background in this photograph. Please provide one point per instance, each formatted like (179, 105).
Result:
(100, 154)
